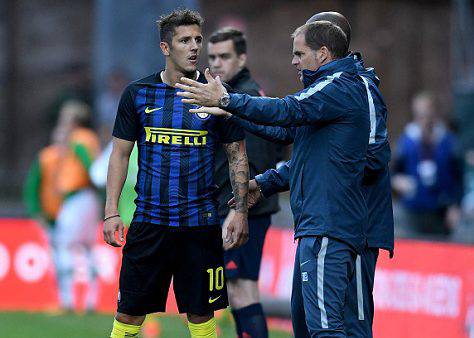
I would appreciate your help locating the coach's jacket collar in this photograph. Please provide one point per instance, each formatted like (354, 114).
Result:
(346, 64)
(365, 72)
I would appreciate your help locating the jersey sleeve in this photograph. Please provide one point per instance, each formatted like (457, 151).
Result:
(126, 121)
(229, 131)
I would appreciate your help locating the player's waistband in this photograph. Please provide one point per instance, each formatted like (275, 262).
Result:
(165, 227)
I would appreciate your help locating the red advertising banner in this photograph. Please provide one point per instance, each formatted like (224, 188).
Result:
(427, 290)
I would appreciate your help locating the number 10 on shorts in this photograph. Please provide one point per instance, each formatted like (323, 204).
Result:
(216, 278)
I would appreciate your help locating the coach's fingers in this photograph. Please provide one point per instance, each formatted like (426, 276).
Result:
(189, 95)
(190, 101)
(210, 110)
(186, 88)
(231, 202)
(208, 75)
(191, 82)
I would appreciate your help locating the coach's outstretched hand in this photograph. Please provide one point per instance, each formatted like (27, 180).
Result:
(111, 226)
(211, 110)
(202, 94)
(253, 197)
(235, 230)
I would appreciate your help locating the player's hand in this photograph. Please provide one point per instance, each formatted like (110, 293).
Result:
(253, 197)
(199, 93)
(211, 110)
(111, 226)
(235, 232)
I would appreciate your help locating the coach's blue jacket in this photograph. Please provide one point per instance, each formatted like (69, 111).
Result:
(331, 116)
(376, 183)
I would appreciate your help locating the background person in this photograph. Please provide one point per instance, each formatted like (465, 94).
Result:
(427, 172)
(79, 216)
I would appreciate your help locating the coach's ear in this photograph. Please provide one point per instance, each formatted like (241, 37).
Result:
(165, 48)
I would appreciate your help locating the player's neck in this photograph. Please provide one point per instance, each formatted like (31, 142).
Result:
(171, 75)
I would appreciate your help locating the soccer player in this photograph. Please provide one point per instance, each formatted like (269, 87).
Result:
(330, 118)
(227, 55)
(175, 232)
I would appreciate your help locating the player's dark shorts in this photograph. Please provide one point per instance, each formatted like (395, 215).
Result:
(244, 262)
(154, 254)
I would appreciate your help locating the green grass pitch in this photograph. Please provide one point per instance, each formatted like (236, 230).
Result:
(44, 325)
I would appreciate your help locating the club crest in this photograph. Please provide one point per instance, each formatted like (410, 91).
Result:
(202, 116)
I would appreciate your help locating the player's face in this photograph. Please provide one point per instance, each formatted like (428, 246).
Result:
(304, 57)
(223, 59)
(185, 48)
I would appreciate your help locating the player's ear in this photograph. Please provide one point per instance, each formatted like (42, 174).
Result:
(165, 48)
(242, 60)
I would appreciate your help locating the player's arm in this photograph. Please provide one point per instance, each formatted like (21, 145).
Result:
(237, 231)
(125, 135)
(116, 176)
(270, 182)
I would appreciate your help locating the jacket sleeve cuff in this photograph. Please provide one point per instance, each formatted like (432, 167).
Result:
(266, 188)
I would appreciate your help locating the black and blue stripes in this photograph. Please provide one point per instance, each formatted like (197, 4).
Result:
(176, 150)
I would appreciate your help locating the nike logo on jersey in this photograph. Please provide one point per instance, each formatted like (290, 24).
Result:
(305, 262)
(212, 300)
(148, 110)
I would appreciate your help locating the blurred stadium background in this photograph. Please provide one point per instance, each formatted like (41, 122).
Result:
(53, 51)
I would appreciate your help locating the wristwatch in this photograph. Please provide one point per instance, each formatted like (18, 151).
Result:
(224, 100)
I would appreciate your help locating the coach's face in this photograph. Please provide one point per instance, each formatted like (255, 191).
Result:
(304, 57)
(185, 48)
(223, 59)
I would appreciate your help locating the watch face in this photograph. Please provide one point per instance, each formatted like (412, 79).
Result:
(224, 101)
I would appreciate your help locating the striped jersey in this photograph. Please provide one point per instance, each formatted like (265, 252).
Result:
(176, 153)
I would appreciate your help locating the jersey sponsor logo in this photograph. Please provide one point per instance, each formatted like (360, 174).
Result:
(149, 110)
(212, 300)
(180, 137)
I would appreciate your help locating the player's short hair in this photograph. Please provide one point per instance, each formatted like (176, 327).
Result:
(179, 17)
(324, 33)
(230, 33)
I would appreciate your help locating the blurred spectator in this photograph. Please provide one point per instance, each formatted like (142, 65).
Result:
(427, 172)
(108, 102)
(41, 196)
(79, 216)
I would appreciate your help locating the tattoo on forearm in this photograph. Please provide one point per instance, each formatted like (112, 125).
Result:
(238, 173)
